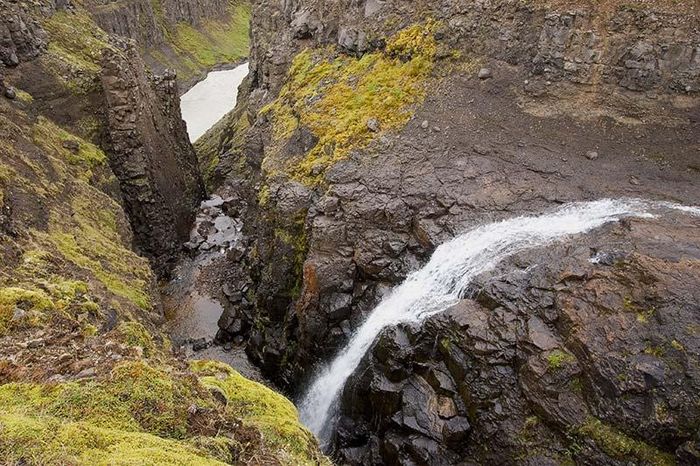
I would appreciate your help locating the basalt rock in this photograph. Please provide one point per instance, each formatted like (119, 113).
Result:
(21, 36)
(556, 355)
(150, 154)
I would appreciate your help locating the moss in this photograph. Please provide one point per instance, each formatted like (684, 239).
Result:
(27, 300)
(261, 407)
(142, 414)
(677, 345)
(295, 237)
(620, 446)
(335, 95)
(135, 334)
(38, 302)
(90, 240)
(50, 137)
(43, 440)
(656, 351)
(24, 96)
(75, 49)
(556, 359)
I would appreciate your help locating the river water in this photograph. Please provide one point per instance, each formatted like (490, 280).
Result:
(210, 99)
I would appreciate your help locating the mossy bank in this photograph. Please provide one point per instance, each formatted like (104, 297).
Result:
(87, 375)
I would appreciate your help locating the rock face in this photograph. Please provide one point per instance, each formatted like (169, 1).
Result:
(564, 82)
(150, 154)
(557, 354)
(139, 20)
(74, 61)
(21, 37)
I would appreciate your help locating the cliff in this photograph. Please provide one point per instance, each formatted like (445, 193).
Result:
(96, 169)
(370, 132)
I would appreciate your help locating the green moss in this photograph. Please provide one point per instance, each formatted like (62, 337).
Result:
(23, 96)
(43, 440)
(677, 345)
(295, 237)
(335, 96)
(556, 359)
(135, 334)
(259, 406)
(50, 137)
(75, 49)
(142, 414)
(27, 300)
(88, 237)
(620, 446)
(656, 351)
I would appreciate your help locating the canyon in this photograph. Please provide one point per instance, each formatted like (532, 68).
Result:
(453, 232)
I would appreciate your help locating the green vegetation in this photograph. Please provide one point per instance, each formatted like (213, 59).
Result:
(141, 411)
(194, 49)
(335, 95)
(298, 241)
(556, 359)
(216, 41)
(50, 137)
(257, 405)
(75, 49)
(619, 446)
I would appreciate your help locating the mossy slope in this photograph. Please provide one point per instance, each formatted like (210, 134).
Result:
(347, 101)
(147, 415)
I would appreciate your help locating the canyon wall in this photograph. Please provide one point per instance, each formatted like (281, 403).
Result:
(370, 132)
(95, 166)
(55, 53)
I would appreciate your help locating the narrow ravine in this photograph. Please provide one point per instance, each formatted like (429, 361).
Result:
(191, 297)
(442, 282)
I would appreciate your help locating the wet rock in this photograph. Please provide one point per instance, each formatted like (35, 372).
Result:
(200, 344)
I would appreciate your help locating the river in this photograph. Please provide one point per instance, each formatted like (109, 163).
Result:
(210, 99)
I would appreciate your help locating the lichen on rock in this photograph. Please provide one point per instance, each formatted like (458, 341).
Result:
(334, 96)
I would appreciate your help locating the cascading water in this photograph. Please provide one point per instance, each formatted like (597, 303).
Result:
(441, 282)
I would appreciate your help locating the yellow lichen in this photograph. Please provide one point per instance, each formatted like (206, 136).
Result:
(335, 96)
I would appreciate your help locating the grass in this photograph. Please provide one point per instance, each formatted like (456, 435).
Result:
(334, 96)
(215, 41)
(211, 42)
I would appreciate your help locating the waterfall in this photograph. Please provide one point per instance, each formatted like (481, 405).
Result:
(441, 282)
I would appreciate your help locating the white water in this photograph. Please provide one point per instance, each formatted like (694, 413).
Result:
(441, 282)
(210, 99)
